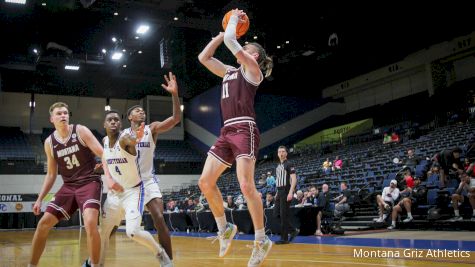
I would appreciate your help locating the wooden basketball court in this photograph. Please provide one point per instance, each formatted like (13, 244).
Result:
(68, 248)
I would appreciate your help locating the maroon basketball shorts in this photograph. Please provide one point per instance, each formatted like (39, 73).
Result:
(71, 197)
(235, 141)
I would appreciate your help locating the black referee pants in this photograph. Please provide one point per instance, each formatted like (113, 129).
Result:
(282, 210)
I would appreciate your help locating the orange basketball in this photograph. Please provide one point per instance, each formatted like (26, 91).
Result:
(242, 26)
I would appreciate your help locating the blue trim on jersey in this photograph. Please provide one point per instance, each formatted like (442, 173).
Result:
(141, 198)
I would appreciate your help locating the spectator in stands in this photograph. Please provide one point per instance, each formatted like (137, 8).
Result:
(230, 203)
(386, 138)
(433, 170)
(198, 205)
(312, 196)
(269, 202)
(171, 206)
(408, 179)
(448, 159)
(342, 205)
(411, 160)
(410, 198)
(298, 199)
(324, 206)
(241, 203)
(466, 164)
(464, 193)
(270, 180)
(395, 138)
(190, 205)
(386, 200)
(262, 181)
(337, 163)
(326, 166)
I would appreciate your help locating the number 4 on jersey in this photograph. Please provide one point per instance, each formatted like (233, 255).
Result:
(117, 170)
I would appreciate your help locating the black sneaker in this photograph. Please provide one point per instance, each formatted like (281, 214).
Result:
(281, 242)
(86, 263)
(293, 234)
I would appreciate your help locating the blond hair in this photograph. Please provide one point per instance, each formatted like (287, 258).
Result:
(57, 105)
(265, 63)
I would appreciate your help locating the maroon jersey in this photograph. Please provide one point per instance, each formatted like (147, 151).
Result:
(76, 162)
(237, 97)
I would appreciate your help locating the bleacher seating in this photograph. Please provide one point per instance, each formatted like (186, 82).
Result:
(370, 164)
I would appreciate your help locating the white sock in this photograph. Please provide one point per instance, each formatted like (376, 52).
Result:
(385, 216)
(221, 222)
(146, 239)
(31, 265)
(457, 213)
(409, 215)
(260, 234)
(393, 223)
(473, 212)
(95, 265)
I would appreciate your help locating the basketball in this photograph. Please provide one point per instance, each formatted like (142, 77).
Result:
(242, 26)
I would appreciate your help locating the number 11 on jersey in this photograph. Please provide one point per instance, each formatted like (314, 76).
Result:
(225, 90)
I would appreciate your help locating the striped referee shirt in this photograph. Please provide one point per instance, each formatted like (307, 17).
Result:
(283, 172)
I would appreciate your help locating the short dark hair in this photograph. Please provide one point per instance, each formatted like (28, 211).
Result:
(457, 150)
(284, 147)
(111, 111)
(345, 183)
(132, 108)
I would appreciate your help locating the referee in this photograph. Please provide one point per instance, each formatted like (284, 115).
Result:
(286, 180)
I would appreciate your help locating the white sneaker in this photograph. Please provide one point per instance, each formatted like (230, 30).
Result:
(380, 220)
(391, 227)
(472, 219)
(457, 219)
(225, 239)
(385, 216)
(259, 252)
(408, 219)
(164, 259)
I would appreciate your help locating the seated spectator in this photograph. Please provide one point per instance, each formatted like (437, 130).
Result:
(324, 205)
(172, 206)
(190, 205)
(269, 202)
(386, 138)
(464, 193)
(270, 180)
(408, 179)
(312, 196)
(410, 198)
(198, 205)
(386, 200)
(433, 170)
(298, 199)
(326, 166)
(448, 159)
(262, 181)
(466, 164)
(337, 164)
(411, 160)
(395, 138)
(241, 203)
(342, 205)
(230, 203)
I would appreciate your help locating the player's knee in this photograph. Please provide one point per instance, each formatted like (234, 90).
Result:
(247, 188)
(90, 224)
(455, 196)
(204, 185)
(45, 224)
(131, 232)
